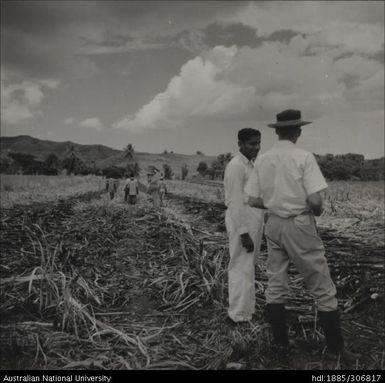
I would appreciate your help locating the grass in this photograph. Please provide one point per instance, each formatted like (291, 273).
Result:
(355, 199)
(21, 189)
(343, 199)
(197, 190)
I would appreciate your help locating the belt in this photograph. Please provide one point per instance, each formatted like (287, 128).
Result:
(290, 216)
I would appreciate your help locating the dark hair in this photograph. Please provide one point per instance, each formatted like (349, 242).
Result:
(287, 131)
(246, 133)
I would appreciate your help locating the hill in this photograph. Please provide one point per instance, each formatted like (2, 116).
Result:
(103, 156)
(42, 148)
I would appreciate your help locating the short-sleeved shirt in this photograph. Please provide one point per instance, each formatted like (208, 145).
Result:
(132, 186)
(284, 177)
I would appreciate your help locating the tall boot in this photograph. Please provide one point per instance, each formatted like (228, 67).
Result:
(276, 316)
(330, 323)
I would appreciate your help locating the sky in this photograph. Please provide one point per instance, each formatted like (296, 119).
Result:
(187, 75)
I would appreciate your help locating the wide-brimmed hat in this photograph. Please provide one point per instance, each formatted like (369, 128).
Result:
(289, 117)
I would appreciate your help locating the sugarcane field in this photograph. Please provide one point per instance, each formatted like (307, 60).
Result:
(192, 188)
(93, 283)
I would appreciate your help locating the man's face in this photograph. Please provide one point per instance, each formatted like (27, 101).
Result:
(250, 148)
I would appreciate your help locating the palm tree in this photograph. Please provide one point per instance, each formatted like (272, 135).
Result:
(129, 155)
(128, 152)
(72, 162)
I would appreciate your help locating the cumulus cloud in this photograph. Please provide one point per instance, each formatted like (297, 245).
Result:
(349, 26)
(323, 29)
(21, 101)
(58, 39)
(369, 92)
(357, 67)
(198, 91)
(255, 83)
(92, 123)
(69, 121)
(324, 66)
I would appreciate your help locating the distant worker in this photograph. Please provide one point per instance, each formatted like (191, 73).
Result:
(162, 189)
(131, 190)
(244, 227)
(154, 188)
(107, 182)
(112, 187)
(287, 181)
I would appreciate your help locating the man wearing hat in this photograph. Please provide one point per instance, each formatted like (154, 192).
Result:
(244, 227)
(287, 182)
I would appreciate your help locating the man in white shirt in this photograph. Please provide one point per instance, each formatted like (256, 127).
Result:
(131, 190)
(287, 181)
(244, 227)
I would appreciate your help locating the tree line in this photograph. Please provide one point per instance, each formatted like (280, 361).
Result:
(351, 166)
(348, 166)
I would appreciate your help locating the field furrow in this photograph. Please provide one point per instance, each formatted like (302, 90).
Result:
(93, 283)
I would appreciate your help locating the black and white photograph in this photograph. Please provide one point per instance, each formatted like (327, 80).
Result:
(192, 185)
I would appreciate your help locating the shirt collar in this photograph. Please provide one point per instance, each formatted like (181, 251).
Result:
(244, 159)
(284, 144)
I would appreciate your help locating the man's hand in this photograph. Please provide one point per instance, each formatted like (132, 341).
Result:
(247, 242)
(256, 202)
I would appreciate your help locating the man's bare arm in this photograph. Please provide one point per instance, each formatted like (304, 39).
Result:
(314, 202)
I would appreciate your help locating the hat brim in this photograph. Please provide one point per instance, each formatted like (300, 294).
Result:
(286, 124)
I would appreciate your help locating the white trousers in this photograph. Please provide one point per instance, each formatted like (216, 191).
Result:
(241, 268)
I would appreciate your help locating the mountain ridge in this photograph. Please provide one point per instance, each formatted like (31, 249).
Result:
(102, 155)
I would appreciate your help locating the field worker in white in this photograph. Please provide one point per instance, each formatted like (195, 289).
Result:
(287, 181)
(244, 227)
(131, 190)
